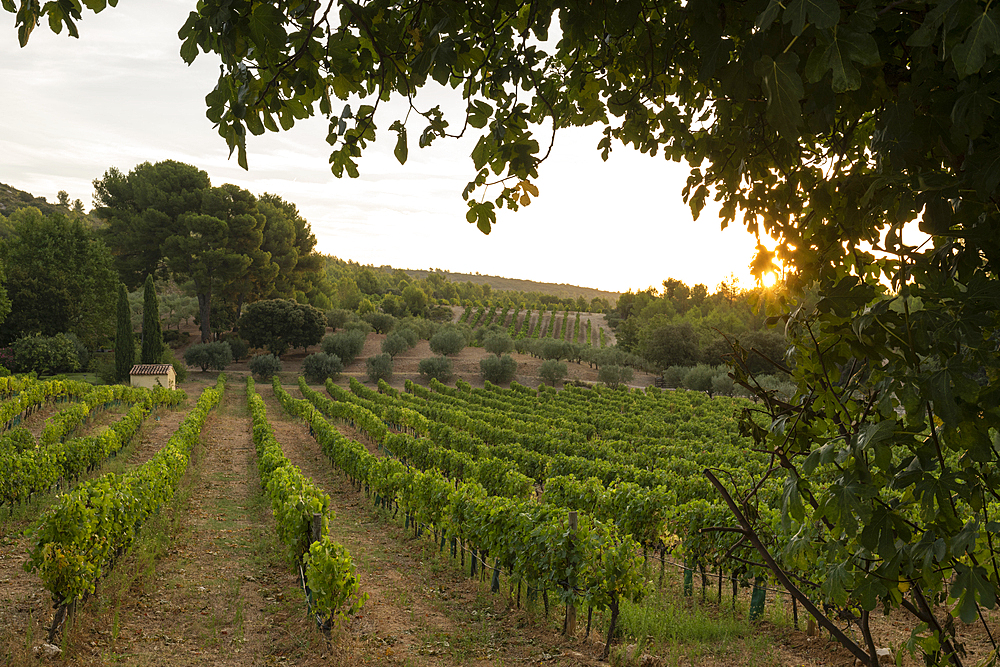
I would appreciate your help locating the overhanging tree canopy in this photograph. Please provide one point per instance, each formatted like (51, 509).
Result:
(828, 124)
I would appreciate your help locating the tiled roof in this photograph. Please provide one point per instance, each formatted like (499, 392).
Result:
(151, 369)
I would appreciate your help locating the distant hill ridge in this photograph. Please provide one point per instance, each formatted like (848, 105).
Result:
(560, 290)
(12, 199)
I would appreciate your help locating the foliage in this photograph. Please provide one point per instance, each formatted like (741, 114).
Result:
(152, 334)
(78, 538)
(232, 246)
(447, 341)
(124, 338)
(345, 345)
(438, 368)
(277, 324)
(320, 366)
(180, 368)
(614, 375)
(237, 345)
(379, 367)
(215, 356)
(552, 371)
(498, 343)
(46, 355)
(265, 366)
(409, 334)
(56, 261)
(497, 369)
(332, 580)
(394, 344)
(338, 317)
(381, 322)
(699, 378)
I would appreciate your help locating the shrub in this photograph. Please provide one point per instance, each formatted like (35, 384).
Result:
(238, 346)
(320, 366)
(82, 353)
(613, 375)
(381, 322)
(447, 341)
(412, 336)
(338, 317)
(674, 376)
(345, 345)
(209, 355)
(395, 344)
(358, 325)
(277, 324)
(498, 370)
(379, 367)
(265, 366)
(180, 368)
(498, 343)
(46, 355)
(722, 384)
(437, 368)
(552, 371)
(699, 378)
(555, 349)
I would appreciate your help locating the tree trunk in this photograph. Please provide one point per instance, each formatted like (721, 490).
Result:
(204, 313)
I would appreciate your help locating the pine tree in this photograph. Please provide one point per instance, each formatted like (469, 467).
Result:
(152, 334)
(124, 341)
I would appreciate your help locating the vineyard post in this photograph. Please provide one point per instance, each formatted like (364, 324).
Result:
(316, 527)
(570, 607)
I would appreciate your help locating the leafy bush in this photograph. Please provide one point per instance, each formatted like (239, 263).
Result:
(381, 322)
(180, 368)
(447, 341)
(82, 353)
(411, 335)
(552, 371)
(346, 345)
(358, 325)
(699, 378)
(46, 355)
(555, 349)
(614, 375)
(215, 356)
(265, 366)
(277, 324)
(379, 367)
(395, 344)
(722, 385)
(498, 343)
(338, 317)
(320, 366)
(437, 368)
(498, 370)
(238, 346)
(674, 376)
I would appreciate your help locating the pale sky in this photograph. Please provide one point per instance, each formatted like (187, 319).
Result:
(121, 95)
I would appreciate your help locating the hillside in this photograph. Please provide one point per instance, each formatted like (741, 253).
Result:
(560, 290)
(12, 199)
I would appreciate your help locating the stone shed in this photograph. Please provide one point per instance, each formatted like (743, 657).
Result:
(153, 375)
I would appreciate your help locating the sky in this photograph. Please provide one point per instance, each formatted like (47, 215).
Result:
(121, 95)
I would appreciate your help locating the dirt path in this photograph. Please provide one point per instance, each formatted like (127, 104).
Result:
(422, 609)
(212, 586)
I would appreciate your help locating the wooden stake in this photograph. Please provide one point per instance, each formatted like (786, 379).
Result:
(571, 608)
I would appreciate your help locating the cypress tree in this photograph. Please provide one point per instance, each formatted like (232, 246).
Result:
(124, 341)
(152, 334)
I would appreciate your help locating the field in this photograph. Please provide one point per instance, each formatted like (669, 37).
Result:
(208, 581)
